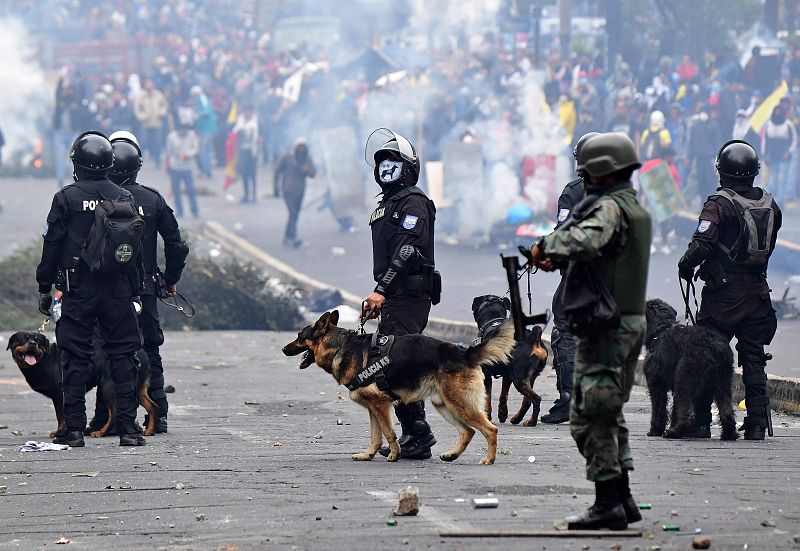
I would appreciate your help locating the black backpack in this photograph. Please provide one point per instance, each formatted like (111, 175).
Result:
(115, 239)
(753, 245)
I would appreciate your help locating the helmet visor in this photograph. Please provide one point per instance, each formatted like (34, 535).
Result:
(384, 139)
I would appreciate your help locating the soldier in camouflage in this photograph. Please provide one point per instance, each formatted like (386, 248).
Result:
(609, 233)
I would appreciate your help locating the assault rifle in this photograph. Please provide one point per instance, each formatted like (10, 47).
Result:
(513, 273)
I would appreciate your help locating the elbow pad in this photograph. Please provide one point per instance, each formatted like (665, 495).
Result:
(401, 262)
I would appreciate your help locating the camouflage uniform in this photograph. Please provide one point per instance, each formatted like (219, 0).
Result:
(605, 363)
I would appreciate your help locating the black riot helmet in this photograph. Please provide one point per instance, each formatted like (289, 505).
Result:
(127, 157)
(606, 154)
(91, 152)
(582, 140)
(737, 160)
(393, 158)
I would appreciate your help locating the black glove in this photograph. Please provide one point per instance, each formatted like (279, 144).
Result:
(45, 302)
(685, 270)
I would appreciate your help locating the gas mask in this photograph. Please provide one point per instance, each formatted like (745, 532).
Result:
(389, 171)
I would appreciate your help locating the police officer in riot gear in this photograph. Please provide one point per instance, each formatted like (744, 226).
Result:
(403, 265)
(562, 343)
(733, 265)
(159, 219)
(88, 297)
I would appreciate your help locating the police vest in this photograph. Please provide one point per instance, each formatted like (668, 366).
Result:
(150, 203)
(624, 268)
(385, 225)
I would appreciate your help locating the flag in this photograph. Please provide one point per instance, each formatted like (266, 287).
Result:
(764, 111)
(231, 156)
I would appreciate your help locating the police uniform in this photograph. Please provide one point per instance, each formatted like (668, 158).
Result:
(403, 259)
(105, 298)
(735, 298)
(158, 219)
(403, 264)
(562, 343)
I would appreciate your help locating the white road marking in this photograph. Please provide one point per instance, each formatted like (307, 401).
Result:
(427, 512)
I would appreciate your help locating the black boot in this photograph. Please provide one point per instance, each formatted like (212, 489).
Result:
(559, 413)
(417, 438)
(757, 403)
(126, 415)
(132, 439)
(607, 511)
(72, 438)
(755, 424)
(698, 431)
(632, 513)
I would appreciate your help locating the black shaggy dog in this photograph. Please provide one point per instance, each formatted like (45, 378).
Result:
(527, 361)
(695, 363)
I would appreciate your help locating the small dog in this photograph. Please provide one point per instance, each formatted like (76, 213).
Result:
(527, 361)
(417, 367)
(39, 360)
(695, 363)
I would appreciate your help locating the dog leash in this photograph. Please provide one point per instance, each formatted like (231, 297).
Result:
(362, 319)
(181, 309)
(685, 294)
(44, 324)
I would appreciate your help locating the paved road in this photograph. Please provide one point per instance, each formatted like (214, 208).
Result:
(238, 397)
(344, 259)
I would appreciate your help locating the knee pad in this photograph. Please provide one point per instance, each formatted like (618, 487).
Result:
(599, 396)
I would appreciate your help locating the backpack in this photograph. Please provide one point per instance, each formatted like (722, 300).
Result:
(753, 245)
(115, 239)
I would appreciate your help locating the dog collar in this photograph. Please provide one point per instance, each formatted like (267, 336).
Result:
(488, 328)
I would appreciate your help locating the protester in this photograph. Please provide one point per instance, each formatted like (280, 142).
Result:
(150, 109)
(290, 177)
(182, 148)
(206, 128)
(780, 141)
(247, 142)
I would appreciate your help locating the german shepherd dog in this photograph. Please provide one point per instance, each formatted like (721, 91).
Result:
(695, 363)
(527, 361)
(40, 362)
(421, 367)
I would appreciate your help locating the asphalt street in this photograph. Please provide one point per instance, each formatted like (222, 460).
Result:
(256, 459)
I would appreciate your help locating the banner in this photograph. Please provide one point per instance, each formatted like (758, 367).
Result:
(664, 199)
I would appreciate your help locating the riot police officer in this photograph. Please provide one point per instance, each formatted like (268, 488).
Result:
(403, 265)
(734, 239)
(158, 219)
(89, 296)
(562, 343)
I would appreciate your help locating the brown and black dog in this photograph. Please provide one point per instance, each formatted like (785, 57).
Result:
(419, 367)
(528, 360)
(39, 360)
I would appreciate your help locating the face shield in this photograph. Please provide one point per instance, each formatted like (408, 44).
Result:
(384, 139)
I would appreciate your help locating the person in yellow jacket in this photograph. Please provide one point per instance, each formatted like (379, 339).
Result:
(655, 139)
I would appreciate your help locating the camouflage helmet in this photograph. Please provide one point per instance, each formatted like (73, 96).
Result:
(607, 153)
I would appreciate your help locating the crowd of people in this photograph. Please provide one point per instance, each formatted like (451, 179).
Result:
(214, 71)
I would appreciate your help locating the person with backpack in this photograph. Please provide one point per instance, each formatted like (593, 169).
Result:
(734, 239)
(158, 220)
(92, 252)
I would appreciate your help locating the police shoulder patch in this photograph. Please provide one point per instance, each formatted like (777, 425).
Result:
(703, 226)
(562, 214)
(410, 221)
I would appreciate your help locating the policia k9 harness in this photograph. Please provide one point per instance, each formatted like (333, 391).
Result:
(378, 361)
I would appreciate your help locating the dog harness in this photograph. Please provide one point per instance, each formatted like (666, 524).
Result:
(485, 333)
(378, 361)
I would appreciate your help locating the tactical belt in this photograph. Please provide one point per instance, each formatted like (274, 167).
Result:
(378, 361)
